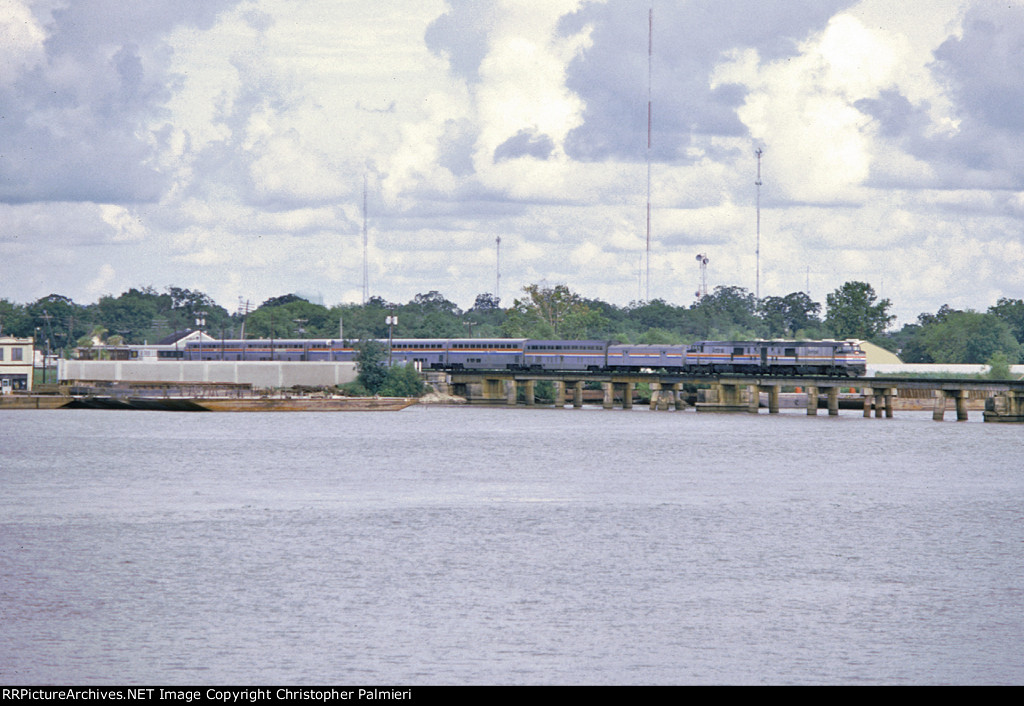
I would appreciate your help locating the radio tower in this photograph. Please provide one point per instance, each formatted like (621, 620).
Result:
(757, 251)
(497, 276)
(366, 269)
(650, 51)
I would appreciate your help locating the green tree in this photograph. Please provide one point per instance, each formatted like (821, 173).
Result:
(855, 312)
(129, 315)
(402, 381)
(968, 337)
(372, 373)
(551, 312)
(1012, 312)
(486, 302)
(181, 307)
(486, 317)
(657, 314)
(729, 312)
(57, 321)
(784, 316)
(362, 320)
(999, 366)
(430, 315)
(290, 317)
(14, 320)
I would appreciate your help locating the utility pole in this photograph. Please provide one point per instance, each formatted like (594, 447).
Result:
(366, 269)
(650, 52)
(757, 251)
(497, 277)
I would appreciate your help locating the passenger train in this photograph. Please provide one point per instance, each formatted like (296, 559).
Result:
(833, 358)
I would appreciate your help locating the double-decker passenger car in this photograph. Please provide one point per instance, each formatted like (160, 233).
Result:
(270, 349)
(485, 354)
(641, 356)
(565, 355)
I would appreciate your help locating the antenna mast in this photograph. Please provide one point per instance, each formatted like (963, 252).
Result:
(497, 277)
(650, 51)
(366, 269)
(757, 251)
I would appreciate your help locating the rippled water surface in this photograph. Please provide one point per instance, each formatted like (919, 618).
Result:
(537, 546)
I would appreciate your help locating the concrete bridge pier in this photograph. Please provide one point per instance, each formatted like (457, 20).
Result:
(833, 401)
(559, 394)
(655, 395)
(609, 395)
(961, 405)
(679, 394)
(511, 392)
(883, 403)
(774, 391)
(627, 395)
(577, 394)
(728, 397)
(812, 400)
(1006, 406)
(665, 396)
(939, 410)
(882, 398)
(530, 388)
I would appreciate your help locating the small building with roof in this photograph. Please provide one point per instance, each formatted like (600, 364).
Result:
(17, 356)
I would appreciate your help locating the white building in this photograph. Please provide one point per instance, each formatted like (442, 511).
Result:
(16, 356)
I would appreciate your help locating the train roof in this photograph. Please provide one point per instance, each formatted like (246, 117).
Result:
(549, 341)
(478, 341)
(781, 342)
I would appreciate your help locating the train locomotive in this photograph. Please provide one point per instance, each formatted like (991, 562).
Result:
(820, 358)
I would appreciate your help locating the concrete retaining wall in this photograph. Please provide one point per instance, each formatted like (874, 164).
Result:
(258, 374)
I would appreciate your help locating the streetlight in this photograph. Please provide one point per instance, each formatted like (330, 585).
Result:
(391, 321)
(200, 322)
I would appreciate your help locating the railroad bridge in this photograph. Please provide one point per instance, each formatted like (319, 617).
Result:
(740, 393)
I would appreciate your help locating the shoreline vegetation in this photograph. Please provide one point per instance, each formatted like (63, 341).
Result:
(140, 315)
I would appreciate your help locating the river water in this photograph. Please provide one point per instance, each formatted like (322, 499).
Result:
(509, 546)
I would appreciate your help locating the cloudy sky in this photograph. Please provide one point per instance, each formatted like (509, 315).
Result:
(223, 145)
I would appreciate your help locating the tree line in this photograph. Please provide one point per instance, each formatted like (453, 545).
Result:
(728, 313)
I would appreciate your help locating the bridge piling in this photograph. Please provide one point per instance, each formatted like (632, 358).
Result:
(812, 400)
(609, 395)
(1007, 406)
(833, 401)
(559, 394)
(961, 405)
